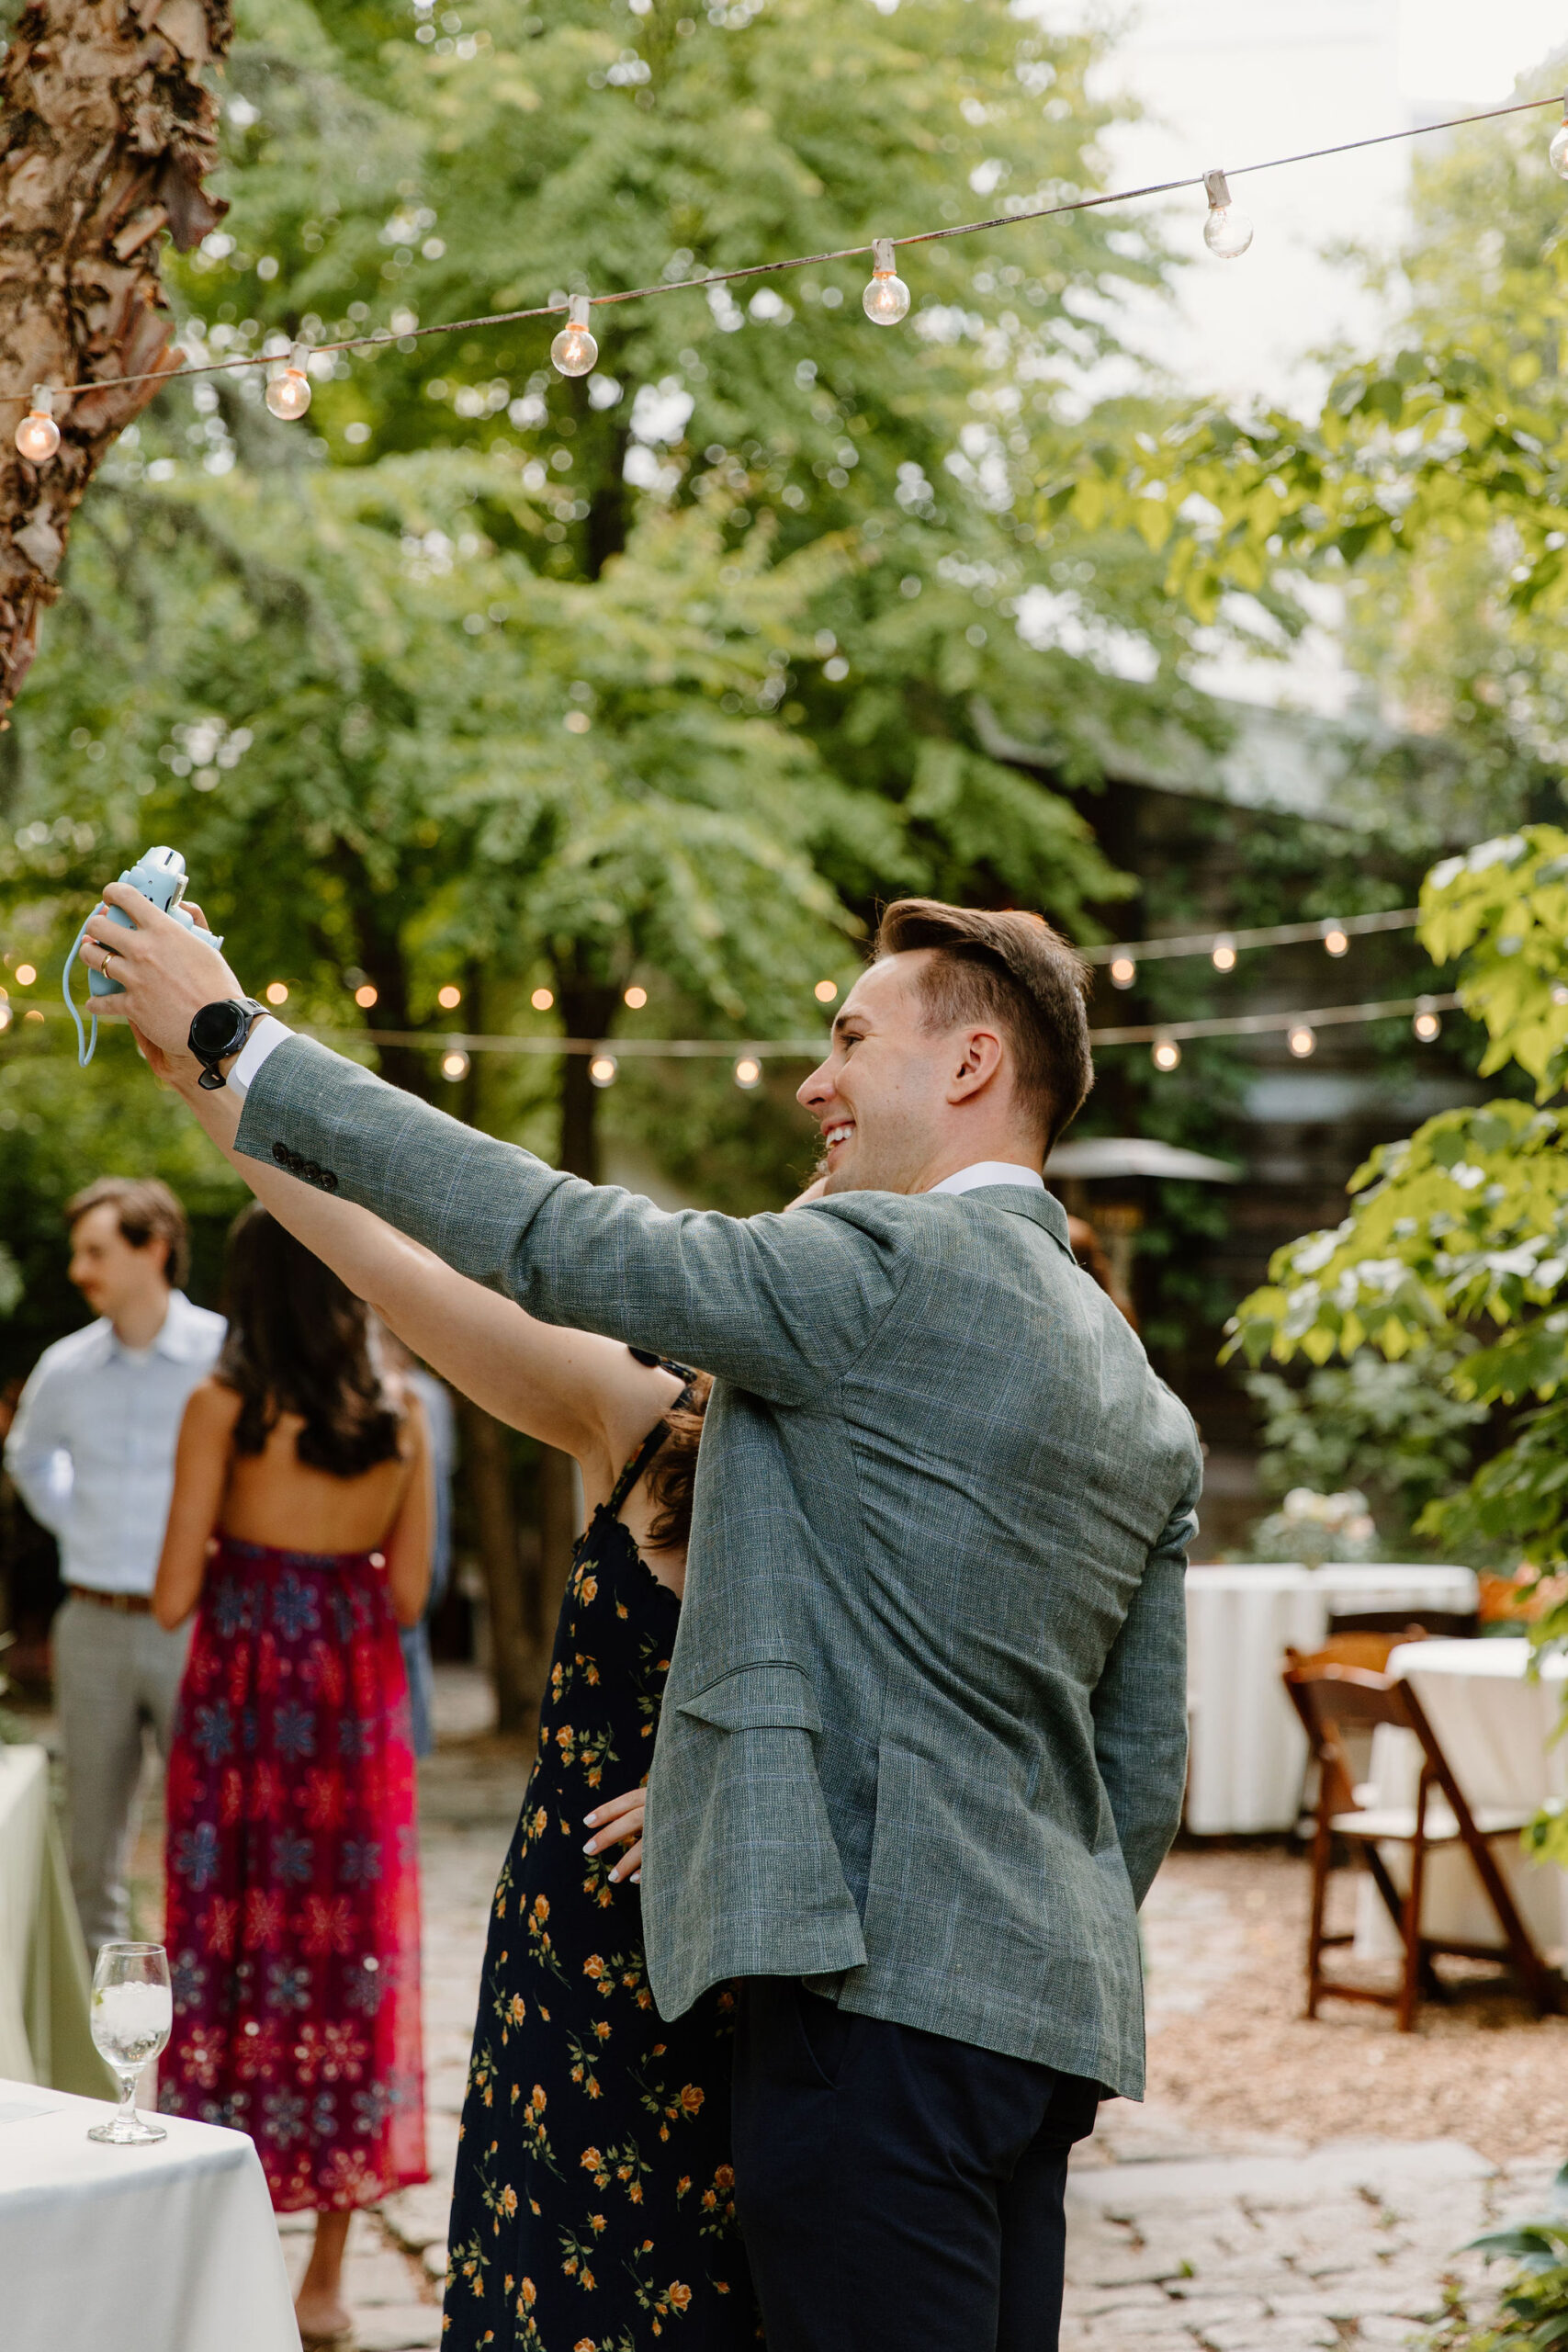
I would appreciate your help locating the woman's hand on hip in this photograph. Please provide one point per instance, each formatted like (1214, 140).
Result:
(615, 1822)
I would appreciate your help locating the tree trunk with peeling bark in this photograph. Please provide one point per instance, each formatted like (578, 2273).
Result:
(106, 131)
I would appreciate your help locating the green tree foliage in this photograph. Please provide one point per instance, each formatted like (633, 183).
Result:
(482, 678)
(1459, 1237)
(1432, 486)
(770, 554)
(1391, 1429)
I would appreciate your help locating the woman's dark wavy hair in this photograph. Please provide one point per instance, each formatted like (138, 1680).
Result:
(674, 1476)
(298, 1343)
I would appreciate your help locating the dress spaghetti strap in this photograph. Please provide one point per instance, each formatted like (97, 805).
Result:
(656, 1435)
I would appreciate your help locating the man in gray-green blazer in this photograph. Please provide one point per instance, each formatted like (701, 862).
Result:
(923, 1741)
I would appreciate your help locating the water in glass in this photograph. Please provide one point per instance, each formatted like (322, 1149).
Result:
(134, 2010)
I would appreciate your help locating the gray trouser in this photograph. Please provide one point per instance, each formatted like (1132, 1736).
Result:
(112, 1675)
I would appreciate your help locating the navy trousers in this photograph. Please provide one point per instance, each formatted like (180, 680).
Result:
(896, 2188)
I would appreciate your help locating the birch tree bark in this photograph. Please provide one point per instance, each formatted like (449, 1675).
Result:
(106, 131)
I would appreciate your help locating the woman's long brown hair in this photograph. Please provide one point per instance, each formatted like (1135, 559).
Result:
(673, 1477)
(298, 1343)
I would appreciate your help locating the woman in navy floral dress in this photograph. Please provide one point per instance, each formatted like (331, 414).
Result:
(592, 2210)
(594, 2202)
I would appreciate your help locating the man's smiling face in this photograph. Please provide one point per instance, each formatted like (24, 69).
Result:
(880, 1096)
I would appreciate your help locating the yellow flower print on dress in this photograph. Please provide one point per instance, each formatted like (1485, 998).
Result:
(614, 2139)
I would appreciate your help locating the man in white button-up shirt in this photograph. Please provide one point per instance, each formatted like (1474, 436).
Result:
(92, 1453)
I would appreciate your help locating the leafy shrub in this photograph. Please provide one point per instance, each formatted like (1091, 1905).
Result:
(1533, 2307)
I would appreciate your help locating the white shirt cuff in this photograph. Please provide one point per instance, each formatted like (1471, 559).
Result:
(263, 1039)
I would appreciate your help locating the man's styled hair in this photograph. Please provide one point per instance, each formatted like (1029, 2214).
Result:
(147, 1211)
(1011, 968)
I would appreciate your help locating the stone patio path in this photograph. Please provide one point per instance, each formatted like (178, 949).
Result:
(1181, 2238)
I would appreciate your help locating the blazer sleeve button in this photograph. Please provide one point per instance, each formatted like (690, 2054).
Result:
(282, 1154)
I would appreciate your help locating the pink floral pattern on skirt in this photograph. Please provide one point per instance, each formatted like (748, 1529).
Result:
(292, 1912)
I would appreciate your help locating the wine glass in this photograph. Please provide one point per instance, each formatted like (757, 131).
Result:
(133, 2011)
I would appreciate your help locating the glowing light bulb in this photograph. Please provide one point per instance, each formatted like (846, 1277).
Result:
(453, 1066)
(825, 991)
(1301, 1041)
(448, 997)
(1335, 938)
(1222, 954)
(575, 350)
(25, 975)
(37, 435)
(1427, 1025)
(1123, 971)
(1167, 1054)
(276, 991)
(602, 1069)
(1557, 154)
(1228, 232)
(288, 395)
(5, 1018)
(637, 998)
(886, 298)
(1559, 993)
(365, 997)
(542, 999)
(747, 1072)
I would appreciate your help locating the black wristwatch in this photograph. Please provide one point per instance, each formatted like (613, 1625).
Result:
(220, 1030)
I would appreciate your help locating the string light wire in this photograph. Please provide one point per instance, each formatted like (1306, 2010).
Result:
(800, 261)
(1276, 934)
(1237, 1024)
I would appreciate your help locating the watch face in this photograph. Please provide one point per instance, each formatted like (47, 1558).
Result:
(217, 1029)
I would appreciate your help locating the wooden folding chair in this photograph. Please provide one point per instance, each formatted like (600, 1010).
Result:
(1368, 1650)
(1334, 1700)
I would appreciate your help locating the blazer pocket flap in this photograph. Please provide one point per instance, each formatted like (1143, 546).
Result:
(757, 1698)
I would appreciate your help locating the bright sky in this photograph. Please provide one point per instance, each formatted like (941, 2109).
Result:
(1232, 81)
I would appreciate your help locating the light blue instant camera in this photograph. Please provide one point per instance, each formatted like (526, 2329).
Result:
(159, 874)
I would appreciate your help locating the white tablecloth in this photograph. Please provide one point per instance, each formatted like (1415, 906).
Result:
(170, 2248)
(44, 1978)
(1495, 1727)
(1248, 1748)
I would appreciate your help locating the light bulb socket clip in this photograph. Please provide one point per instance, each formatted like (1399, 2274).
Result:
(882, 259)
(1217, 190)
(43, 400)
(577, 311)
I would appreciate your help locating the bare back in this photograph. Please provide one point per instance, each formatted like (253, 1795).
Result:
(274, 1498)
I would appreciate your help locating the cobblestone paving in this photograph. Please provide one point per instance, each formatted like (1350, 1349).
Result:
(1174, 2247)
(469, 1793)
(1190, 2240)
(1180, 2239)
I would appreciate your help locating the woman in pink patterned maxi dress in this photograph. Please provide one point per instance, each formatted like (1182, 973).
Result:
(301, 1531)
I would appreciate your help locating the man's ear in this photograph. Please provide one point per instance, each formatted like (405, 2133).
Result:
(980, 1061)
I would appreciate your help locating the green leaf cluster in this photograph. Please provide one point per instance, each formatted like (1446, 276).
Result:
(1454, 1255)
(1532, 2309)
(1393, 1430)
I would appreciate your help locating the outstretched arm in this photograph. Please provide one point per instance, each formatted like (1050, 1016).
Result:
(1140, 1704)
(777, 1303)
(570, 1389)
